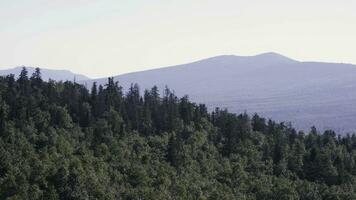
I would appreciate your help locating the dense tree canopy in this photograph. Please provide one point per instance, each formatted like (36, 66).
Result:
(60, 141)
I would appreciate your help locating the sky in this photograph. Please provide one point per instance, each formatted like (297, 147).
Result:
(111, 37)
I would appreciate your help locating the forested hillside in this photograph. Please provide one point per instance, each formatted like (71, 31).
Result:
(60, 141)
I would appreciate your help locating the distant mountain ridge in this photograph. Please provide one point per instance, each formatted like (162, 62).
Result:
(270, 84)
(273, 85)
(57, 75)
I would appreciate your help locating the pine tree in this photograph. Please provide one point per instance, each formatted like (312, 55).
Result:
(36, 78)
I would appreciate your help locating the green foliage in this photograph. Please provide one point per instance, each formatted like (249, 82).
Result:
(60, 141)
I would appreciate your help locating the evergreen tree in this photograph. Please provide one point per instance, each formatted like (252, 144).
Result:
(36, 78)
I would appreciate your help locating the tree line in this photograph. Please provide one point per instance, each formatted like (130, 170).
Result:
(59, 140)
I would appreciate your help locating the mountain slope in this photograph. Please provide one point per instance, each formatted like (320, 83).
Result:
(58, 75)
(305, 93)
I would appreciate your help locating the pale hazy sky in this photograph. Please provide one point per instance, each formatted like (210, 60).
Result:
(110, 37)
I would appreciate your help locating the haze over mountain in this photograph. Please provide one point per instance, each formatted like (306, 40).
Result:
(277, 87)
(57, 75)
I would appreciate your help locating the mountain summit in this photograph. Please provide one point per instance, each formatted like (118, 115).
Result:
(274, 57)
(260, 60)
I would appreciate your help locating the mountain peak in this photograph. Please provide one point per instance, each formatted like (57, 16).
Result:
(272, 56)
(259, 59)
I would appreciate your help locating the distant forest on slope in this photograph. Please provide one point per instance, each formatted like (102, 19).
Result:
(58, 140)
